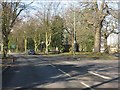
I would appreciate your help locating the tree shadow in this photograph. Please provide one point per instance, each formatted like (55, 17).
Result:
(41, 73)
(94, 86)
(29, 76)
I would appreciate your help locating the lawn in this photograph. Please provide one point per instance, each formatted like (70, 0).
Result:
(87, 55)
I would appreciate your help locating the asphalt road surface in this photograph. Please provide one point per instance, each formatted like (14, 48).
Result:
(60, 72)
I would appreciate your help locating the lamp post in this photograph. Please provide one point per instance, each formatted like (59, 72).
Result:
(42, 43)
(25, 44)
(74, 37)
(119, 42)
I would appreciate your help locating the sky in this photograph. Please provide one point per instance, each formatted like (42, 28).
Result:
(66, 3)
(63, 0)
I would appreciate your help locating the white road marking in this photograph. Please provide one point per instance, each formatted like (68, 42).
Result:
(105, 68)
(104, 77)
(61, 70)
(17, 88)
(52, 65)
(113, 73)
(64, 73)
(87, 86)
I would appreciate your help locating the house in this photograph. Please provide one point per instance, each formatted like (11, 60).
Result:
(112, 42)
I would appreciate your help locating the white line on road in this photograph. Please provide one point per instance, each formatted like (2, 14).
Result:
(104, 77)
(61, 70)
(64, 73)
(87, 86)
(105, 68)
(52, 65)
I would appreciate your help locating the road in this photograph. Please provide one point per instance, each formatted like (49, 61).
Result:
(60, 72)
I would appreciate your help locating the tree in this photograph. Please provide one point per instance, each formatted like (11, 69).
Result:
(109, 26)
(34, 31)
(85, 37)
(10, 13)
(75, 24)
(95, 16)
(70, 25)
(57, 32)
(49, 10)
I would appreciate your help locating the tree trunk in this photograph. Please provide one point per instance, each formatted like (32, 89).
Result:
(35, 45)
(46, 50)
(25, 45)
(73, 46)
(2, 47)
(105, 45)
(16, 45)
(97, 43)
(17, 48)
(5, 45)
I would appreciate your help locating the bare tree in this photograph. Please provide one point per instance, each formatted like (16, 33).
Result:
(76, 25)
(95, 16)
(110, 25)
(45, 16)
(10, 12)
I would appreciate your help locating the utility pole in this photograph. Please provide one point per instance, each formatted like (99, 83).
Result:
(25, 42)
(118, 43)
(25, 45)
(74, 41)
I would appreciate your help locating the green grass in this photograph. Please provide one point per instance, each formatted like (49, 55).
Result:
(89, 55)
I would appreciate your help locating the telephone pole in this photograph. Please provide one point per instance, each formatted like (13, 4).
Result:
(74, 38)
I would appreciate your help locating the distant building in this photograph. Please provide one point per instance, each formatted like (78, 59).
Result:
(113, 49)
(113, 43)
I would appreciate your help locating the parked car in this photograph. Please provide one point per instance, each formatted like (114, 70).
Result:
(31, 52)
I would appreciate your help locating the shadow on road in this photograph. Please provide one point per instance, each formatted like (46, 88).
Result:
(94, 86)
(30, 76)
(24, 75)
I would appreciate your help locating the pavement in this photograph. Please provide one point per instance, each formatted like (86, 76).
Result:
(36, 71)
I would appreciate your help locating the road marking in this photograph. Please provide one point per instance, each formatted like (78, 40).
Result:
(104, 77)
(52, 65)
(64, 73)
(61, 70)
(105, 68)
(113, 73)
(87, 86)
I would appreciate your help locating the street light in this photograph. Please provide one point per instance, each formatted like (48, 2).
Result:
(41, 46)
(25, 42)
(74, 37)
